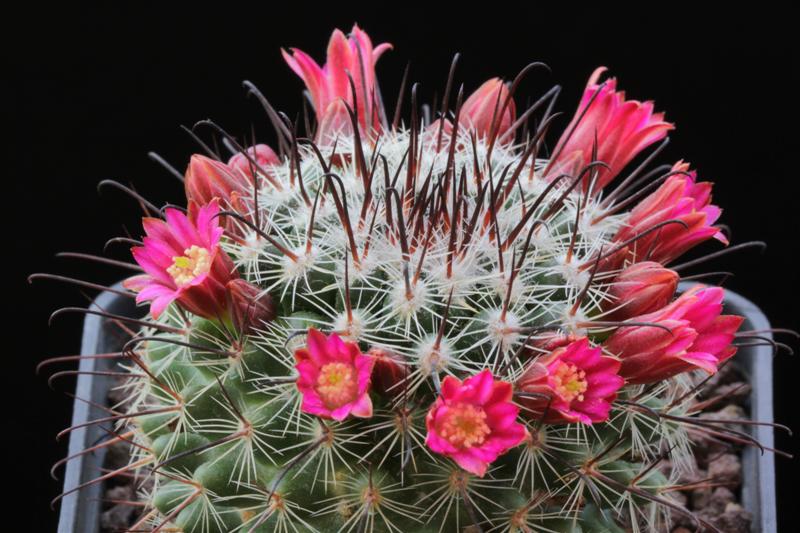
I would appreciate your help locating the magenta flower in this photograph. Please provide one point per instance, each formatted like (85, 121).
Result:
(182, 261)
(474, 422)
(678, 198)
(348, 57)
(697, 337)
(334, 377)
(622, 128)
(574, 383)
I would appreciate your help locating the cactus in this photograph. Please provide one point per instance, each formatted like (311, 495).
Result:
(423, 326)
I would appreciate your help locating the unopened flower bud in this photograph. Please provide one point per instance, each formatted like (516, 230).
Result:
(207, 179)
(683, 206)
(606, 127)
(687, 334)
(348, 76)
(389, 372)
(486, 109)
(548, 341)
(641, 288)
(262, 155)
(250, 307)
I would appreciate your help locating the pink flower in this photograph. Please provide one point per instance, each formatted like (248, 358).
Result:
(641, 288)
(182, 261)
(334, 377)
(328, 85)
(474, 422)
(698, 336)
(622, 128)
(574, 383)
(678, 198)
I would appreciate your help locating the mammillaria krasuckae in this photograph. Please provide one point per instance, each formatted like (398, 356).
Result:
(429, 324)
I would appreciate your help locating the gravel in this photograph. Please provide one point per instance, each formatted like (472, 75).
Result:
(716, 497)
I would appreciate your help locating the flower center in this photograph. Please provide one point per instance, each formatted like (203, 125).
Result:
(194, 262)
(337, 384)
(464, 426)
(568, 381)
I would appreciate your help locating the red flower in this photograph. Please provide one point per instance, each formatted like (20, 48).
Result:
(250, 307)
(549, 340)
(329, 85)
(678, 198)
(479, 113)
(263, 155)
(389, 372)
(621, 128)
(693, 334)
(207, 179)
(232, 183)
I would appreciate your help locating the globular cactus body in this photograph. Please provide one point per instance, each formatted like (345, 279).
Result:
(423, 327)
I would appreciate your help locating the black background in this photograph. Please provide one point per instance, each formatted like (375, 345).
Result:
(87, 92)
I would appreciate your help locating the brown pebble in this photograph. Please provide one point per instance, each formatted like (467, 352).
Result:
(734, 520)
(726, 374)
(681, 520)
(734, 392)
(118, 455)
(729, 412)
(720, 498)
(680, 498)
(707, 448)
(701, 498)
(118, 516)
(121, 492)
(727, 468)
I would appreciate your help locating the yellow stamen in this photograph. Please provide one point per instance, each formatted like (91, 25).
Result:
(569, 382)
(465, 426)
(194, 262)
(337, 384)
